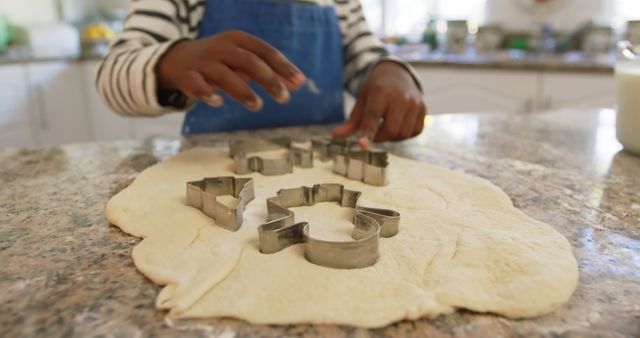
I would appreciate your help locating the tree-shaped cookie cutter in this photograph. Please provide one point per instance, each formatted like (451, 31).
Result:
(368, 166)
(204, 195)
(282, 231)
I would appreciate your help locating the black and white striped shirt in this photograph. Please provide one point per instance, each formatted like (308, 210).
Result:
(126, 77)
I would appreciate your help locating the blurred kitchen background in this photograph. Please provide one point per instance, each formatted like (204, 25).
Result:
(519, 56)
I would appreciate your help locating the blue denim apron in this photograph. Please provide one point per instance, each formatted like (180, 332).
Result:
(308, 35)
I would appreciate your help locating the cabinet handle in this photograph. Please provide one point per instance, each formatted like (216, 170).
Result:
(43, 121)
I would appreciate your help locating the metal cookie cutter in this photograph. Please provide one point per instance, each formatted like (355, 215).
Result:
(281, 230)
(368, 166)
(203, 195)
(328, 147)
(245, 164)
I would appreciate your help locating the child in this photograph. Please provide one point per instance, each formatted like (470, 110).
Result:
(299, 55)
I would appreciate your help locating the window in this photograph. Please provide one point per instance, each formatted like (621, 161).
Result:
(409, 17)
(623, 11)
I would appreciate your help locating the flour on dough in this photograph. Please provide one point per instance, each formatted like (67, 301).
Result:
(461, 244)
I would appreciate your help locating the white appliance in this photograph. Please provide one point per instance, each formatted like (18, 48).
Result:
(52, 40)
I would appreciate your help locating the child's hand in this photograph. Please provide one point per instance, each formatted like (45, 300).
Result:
(227, 61)
(390, 107)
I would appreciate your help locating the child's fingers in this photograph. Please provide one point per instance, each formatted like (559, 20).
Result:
(374, 110)
(287, 83)
(260, 72)
(276, 60)
(243, 75)
(195, 86)
(214, 100)
(290, 85)
(422, 115)
(226, 79)
(408, 123)
(393, 124)
(351, 126)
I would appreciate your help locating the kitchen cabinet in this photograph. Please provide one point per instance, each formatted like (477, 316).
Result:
(106, 125)
(561, 90)
(166, 125)
(59, 96)
(16, 127)
(450, 90)
(50, 103)
(109, 126)
(16, 138)
(43, 104)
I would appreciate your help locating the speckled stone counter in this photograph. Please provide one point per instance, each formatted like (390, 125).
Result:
(64, 272)
(571, 62)
(18, 55)
(501, 60)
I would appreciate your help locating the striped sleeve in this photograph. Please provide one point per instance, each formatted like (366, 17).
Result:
(126, 78)
(361, 49)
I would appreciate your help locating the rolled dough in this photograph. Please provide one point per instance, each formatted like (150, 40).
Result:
(461, 244)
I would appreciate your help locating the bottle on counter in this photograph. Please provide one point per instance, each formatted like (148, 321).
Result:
(430, 35)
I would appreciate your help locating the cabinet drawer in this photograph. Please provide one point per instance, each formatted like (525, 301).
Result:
(450, 90)
(16, 137)
(14, 97)
(168, 125)
(60, 99)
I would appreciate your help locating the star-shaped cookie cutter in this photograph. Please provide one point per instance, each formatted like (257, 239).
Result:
(246, 164)
(204, 194)
(282, 231)
(368, 166)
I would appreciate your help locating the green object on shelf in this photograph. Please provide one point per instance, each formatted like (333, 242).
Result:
(518, 43)
(431, 39)
(402, 41)
(5, 33)
(430, 35)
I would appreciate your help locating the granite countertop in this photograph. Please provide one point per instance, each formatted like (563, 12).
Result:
(16, 55)
(514, 60)
(66, 273)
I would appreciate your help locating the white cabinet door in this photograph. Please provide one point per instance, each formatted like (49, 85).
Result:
(106, 125)
(449, 90)
(570, 90)
(109, 126)
(59, 95)
(15, 107)
(169, 125)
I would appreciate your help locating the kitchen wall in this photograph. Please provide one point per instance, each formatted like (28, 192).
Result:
(77, 10)
(409, 18)
(509, 13)
(47, 11)
(568, 14)
(30, 11)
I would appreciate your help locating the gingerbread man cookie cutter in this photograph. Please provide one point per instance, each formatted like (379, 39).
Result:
(282, 231)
